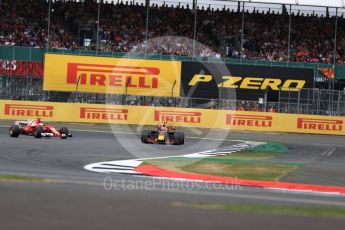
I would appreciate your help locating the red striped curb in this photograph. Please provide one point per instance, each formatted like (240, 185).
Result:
(159, 172)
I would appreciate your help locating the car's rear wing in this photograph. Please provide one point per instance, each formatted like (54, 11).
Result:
(22, 122)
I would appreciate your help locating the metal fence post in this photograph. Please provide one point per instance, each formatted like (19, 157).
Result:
(338, 106)
(289, 102)
(318, 101)
(313, 100)
(298, 100)
(279, 101)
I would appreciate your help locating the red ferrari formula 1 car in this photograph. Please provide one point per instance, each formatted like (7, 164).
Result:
(163, 135)
(37, 129)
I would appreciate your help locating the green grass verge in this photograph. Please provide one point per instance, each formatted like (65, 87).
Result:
(254, 164)
(251, 171)
(316, 211)
(14, 178)
(270, 147)
(248, 156)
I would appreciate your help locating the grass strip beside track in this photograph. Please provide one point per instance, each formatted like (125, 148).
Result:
(315, 211)
(251, 171)
(253, 164)
(27, 179)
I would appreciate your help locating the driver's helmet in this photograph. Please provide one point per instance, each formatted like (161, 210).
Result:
(39, 122)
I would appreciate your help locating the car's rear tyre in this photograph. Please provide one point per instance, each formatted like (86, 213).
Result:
(63, 133)
(14, 131)
(38, 132)
(144, 136)
(179, 138)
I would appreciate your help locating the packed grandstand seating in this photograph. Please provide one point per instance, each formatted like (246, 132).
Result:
(122, 29)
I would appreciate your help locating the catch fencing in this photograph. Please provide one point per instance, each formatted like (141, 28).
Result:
(305, 101)
(312, 101)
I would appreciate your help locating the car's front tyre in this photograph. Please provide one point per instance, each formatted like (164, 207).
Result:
(38, 132)
(144, 136)
(179, 138)
(63, 133)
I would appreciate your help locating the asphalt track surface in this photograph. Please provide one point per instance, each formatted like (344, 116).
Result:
(79, 199)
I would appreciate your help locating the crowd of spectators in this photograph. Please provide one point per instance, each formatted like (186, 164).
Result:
(122, 28)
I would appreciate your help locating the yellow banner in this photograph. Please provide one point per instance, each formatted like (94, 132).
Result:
(111, 75)
(183, 117)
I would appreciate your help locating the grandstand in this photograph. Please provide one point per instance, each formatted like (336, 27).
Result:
(237, 32)
(122, 26)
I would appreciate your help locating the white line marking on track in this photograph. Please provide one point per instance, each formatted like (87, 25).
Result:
(306, 191)
(195, 131)
(328, 152)
(331, 152)
(325, 152)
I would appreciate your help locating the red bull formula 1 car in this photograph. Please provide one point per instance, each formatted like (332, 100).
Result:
(37, 129)
(163, 135)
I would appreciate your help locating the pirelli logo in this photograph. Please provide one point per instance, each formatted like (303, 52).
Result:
(29, 110)
(103, 114)
(113, 75)
(249, 120)
(320, 124)
(176, 116)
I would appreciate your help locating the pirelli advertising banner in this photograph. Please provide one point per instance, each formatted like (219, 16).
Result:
(183, 117)
(111, 75)
(243, 82)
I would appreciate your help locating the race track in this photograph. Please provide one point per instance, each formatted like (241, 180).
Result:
(76, 198)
